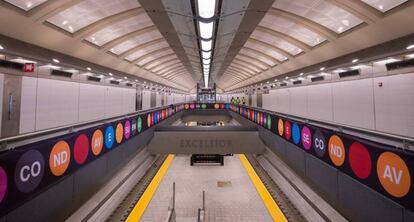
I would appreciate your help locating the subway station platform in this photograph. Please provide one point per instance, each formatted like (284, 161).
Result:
(230, 195)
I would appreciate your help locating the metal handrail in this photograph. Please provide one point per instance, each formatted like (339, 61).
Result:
(71, 127)
(340, 127)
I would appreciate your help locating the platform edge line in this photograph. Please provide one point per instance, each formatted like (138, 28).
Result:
(274, 210)
(146, 197)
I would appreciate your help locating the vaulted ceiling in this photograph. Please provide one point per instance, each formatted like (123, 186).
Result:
(254, 39)
(300, 33)
(117, 34)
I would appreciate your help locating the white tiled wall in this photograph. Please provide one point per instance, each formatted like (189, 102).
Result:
(1, 96)
(179, 98)
(91, 102)
(158, 100)
(283, 101)
(57, 103)
(113, 101)
(394, 104)
(146, 99)
(360, 103)
(164, 95)
(169, 99)
(299, 101)
(254, 100)
(353, 103)
(320, 102)
(269, 102)
(129, 100)
(28, 105)
(48, 103)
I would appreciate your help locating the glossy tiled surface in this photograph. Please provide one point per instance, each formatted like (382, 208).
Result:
(236, 199)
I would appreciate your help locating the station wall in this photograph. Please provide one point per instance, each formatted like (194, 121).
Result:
(383, 103)
(333, 180)
(48, 103)
(146, 99)
(158, 101)
(80, 180)
(179, 98)
(1, 96)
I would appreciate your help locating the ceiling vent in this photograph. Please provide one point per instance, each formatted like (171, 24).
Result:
(11, 65)
(283, 84)
(349, 73)
(400, 64)
(114, 82)
(61, 73)
(297, 82)
(94, 79)
(316, 79)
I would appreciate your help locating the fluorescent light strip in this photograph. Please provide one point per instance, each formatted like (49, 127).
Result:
(206, 29)
(206, 8)
(206, 45)
(206, 55)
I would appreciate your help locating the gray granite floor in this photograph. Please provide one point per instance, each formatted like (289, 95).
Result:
(230, 194)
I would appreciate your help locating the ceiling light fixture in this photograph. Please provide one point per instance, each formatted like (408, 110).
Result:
(1, 47)
(206, 10)
(355, 60)
(88, 68)
(206, 45)
(206, 30)
(345, 22)
(56, 61)
(323, 68)
(410, 47)
(71, 70)
(385, 61)
(206, 55)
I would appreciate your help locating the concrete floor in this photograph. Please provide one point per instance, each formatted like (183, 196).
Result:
(230, 195)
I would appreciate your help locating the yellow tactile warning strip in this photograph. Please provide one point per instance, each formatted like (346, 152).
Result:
(270, 204)
(143, 202)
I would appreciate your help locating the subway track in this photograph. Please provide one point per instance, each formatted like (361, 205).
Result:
(127, 205)
(289, 210)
